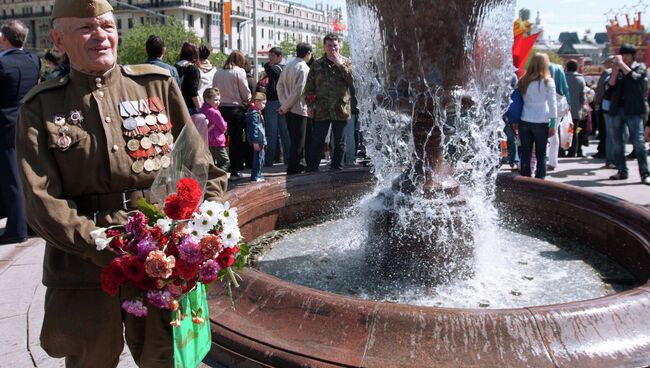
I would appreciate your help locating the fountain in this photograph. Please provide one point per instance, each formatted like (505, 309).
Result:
(432, 78)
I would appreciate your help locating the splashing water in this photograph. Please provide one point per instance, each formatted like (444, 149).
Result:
(405, 68)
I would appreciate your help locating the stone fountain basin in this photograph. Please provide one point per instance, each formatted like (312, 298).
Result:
(276, 323)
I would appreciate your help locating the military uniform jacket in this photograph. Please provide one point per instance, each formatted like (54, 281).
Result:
(94, 159)
(328, 89)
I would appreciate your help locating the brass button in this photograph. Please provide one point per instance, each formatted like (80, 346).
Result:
(108, 119)
(115, 148)
(99, 85)
(98, 80)
(100, 94)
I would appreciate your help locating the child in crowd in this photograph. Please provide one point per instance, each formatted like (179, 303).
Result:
(216, 128)
(256, 134)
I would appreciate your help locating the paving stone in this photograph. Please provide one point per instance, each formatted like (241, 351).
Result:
(14, 335)
(24, 276)
(17, 359)
(15, 302)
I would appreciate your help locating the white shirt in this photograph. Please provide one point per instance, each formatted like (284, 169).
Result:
(290, 86)
(540, 104)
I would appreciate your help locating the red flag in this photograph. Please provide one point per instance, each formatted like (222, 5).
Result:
(521, 48)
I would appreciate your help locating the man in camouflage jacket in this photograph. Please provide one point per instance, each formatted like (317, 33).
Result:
(328, 96)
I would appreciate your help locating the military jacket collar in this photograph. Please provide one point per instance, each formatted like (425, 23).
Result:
(94, 81)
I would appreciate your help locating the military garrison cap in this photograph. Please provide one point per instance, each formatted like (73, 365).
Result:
(80, 8)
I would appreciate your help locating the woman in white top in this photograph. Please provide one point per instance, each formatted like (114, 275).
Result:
(538, 117)
(207, 70)
(235, 98)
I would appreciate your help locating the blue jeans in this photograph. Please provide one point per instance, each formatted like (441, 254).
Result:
(276, 123)
(258, 162)
(634, 124)
(350, 146)
(511, 140)
(537, 134)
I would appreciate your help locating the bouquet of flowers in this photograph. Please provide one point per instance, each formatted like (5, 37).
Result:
(165, 254)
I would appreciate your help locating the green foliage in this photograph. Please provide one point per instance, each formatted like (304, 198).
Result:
(288, 47)
(132, 49)
(242, 258)
(149, 210)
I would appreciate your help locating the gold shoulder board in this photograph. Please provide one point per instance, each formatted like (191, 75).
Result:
(45, 86)
(144, 69)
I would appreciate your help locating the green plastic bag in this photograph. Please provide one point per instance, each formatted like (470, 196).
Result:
(192, 341)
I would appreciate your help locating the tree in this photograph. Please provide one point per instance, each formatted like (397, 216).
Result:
(132, 49)
(288, 46)
(552, 56)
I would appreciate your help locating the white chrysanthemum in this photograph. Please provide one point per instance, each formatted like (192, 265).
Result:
(101, 243)
(164, 224)
(230, 236)
(211, 208)
(229, 216)
(201, 225)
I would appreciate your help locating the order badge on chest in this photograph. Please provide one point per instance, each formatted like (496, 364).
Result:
(148, 133)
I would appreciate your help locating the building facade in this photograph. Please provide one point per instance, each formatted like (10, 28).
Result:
(277, 20)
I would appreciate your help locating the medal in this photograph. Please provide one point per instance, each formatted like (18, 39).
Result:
(137, 167)
(133, 145)
(156, 104)
(151, 120)
(123, 112)
(140, 121)
(162, 118)
(162, 139)
(59, 119)
(64, 141)
(63, 129)
(130, 124)
(76, 117)
(148, 165)
(157, 163)
(165, 161)
(155, 139)
(145, 143)
(143, 105)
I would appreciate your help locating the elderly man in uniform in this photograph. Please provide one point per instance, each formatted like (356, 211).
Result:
(89, 145)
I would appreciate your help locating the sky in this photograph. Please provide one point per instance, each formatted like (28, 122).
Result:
(561, 15)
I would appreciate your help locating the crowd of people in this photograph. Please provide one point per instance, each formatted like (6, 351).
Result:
(303, 89)
(554, 111)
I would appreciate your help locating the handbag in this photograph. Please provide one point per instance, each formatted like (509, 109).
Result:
(192, 341)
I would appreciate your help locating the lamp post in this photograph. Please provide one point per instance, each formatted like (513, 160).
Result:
(255, 40)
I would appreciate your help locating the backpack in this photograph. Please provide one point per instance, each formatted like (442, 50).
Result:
(262, 84)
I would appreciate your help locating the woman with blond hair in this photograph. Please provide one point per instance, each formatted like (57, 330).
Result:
(235, 98)
(538, 117)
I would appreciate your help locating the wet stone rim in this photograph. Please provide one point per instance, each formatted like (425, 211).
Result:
(280, 324)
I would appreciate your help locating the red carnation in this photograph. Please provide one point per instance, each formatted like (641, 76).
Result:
(112, 277)
(185, 270)
(181, 205)
(133, 268)
(225, 260)
(146, 283)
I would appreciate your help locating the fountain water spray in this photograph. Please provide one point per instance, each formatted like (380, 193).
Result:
(432, 83)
